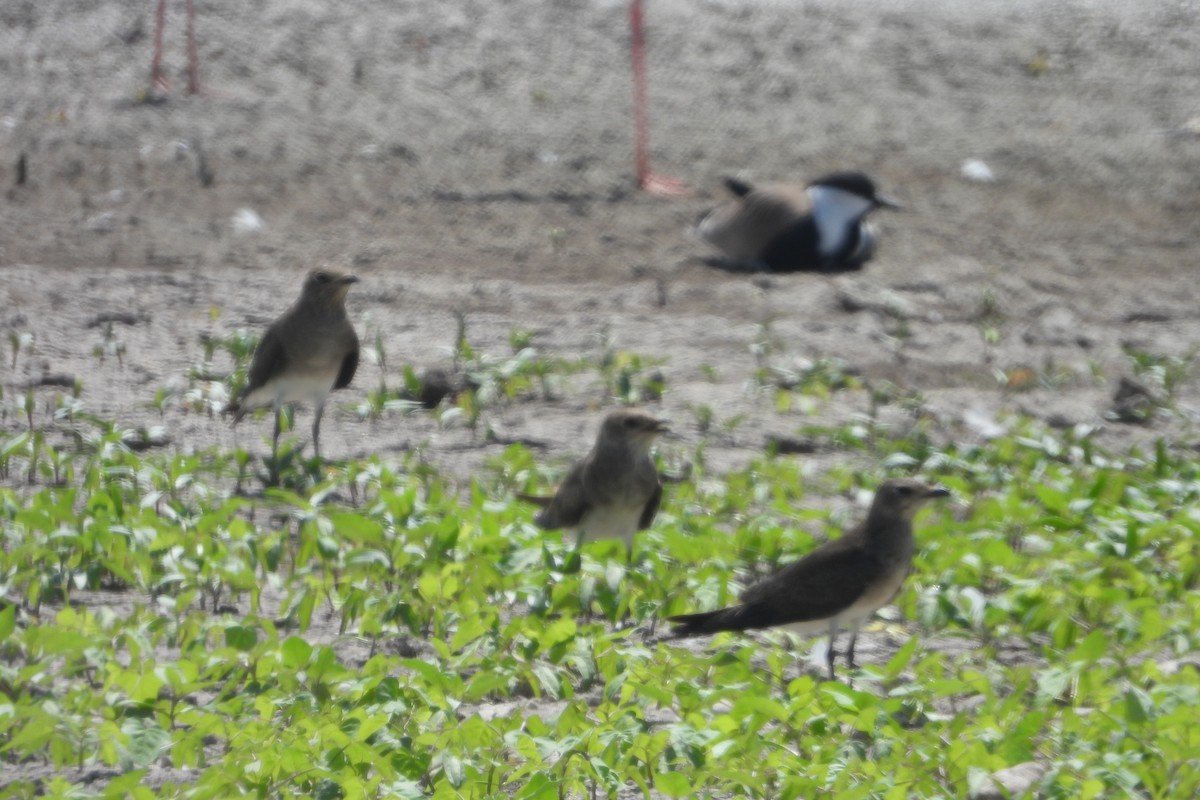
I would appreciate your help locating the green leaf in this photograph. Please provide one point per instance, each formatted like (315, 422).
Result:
(8, 620)
(539, 787)
(558, 632)
(1093, 647)
(146, 741)
(241, 638)
(903, 658)
(1138, 706)
(296, 652)
(452, 766)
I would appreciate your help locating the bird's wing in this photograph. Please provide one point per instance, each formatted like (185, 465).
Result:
(569, 504)
(348, 368)
(801, 592)
(745, 226)
(794, 248)
(823, 583)
(269, 359)
(651, 508)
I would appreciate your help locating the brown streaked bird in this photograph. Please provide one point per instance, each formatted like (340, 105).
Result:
(615, 490)
(841, 583)
(304, 355)
(787, 228)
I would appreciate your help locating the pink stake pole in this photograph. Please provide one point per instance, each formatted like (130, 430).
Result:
(647, 180)
(157, 79)
(641, 142)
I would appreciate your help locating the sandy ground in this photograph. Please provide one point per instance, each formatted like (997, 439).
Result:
(474, 158)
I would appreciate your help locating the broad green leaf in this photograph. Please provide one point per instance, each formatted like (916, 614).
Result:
(296, 652)
(8, 620)
(241, 638)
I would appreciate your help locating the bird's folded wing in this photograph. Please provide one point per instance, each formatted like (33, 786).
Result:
(650, 510)
(348, 368)
(269, 360)
(569, 504)
(745, 226)
(823, 583)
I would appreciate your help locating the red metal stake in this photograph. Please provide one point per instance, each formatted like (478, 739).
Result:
(193, 57)
(157, 79)
(648, 181)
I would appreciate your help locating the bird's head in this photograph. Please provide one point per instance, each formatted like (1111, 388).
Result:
(327, 286)
(631, 427)
(904, 497)
(852, 189)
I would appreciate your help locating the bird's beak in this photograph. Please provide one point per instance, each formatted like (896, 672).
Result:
(882, 201)
(348, 279)
(937, 492)
(660, 427)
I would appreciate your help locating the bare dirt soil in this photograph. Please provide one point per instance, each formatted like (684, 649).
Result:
(474, 158)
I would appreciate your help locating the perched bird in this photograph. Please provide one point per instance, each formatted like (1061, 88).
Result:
(305, 354)
(841, 583)
(615, 490)
(786, 228)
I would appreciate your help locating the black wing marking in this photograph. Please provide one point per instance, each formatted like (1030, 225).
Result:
(738, 187)
(570, 502)
(650, 510)
(349, 367)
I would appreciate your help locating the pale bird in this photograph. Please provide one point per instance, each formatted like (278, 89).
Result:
(615, 490)
(305, 354)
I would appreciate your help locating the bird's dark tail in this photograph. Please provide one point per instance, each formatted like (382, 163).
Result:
(705, 622)
(739, 187)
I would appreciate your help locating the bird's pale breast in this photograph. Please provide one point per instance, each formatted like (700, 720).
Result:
(610, 521)
(310, 386)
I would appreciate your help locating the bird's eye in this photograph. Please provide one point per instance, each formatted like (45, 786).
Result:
(903, 490)
(322, 277)
(632, 422)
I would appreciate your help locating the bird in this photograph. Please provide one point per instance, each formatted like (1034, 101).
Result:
(305, 354)
(615, 490)
(787, 228)
(841, 583)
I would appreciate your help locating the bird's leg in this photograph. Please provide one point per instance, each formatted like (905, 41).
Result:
(633, 580)
(850, 648)
(275, 446)
(831, 653)
(574, 564)
(316, 430)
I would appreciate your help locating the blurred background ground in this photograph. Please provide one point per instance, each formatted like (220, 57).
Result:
(475, 159)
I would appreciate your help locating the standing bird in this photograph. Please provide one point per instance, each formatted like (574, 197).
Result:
(842, 582)
(786, 228)
(615, 490)
(304, 355)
